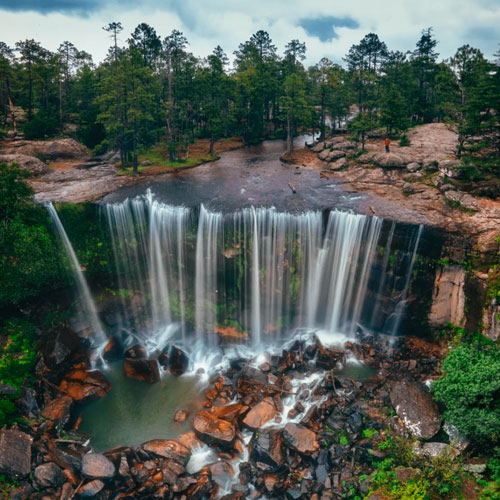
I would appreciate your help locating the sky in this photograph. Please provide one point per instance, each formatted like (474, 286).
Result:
(328, 27)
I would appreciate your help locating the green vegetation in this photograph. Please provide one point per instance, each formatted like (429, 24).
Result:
(154, 91)
(469, 391)
(29, 259)
(17, 359)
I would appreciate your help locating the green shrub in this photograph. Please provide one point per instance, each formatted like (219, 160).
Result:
(29, 261)
(404, 141)
(469, 391)
(17, 360)
(44, 124)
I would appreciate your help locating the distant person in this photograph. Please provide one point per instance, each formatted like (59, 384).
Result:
(387, 143)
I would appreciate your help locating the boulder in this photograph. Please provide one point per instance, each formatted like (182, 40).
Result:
(324, 155)
(457, 440)
(178, 361)
(181, 415)
(59, 346)
(30, 163)
(335, 155)
(318, 147)
(408, 189)
(260, 414)
(430, 164)
(344, 145)
(435, 450)
(213, 430)
(448, 302)
(59, 410)
(367, 158)
(97, 466)
(49, 475)
(137, 351)
(84, 386)
(267, 447)
(50, 150)
(15, 453)
(146, 370)
(416, 408)
(451, 168)
(469, 203)
(91, 489)
(167, 448)
(7, 390)
(300, 439)
(413, 166)
(390, 160)
(339, 164)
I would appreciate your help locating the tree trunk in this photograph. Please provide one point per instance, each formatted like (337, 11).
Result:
(362, 142)
(212, 144)
(289, 135)
(30, 93)
(60, 106)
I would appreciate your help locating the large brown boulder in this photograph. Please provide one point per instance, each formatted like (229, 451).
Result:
(146, 370)
(97, 466)
(416, 408)
(260, 414)
(213, 430)
(15, 453)
(49, 150)
(267, 447)
(84, 386)
(59, 410)
(167, 448)
(49, 474)
(30, 163)
(300, 439)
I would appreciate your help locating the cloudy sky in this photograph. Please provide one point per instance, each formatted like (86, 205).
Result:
(329, 27)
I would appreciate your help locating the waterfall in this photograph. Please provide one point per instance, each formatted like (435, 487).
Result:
(85, 301)
(257, 273)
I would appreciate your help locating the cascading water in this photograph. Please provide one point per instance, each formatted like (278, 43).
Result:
(258, 272)
(85, 302)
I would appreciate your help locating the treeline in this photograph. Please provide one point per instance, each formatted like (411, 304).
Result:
(154, 90)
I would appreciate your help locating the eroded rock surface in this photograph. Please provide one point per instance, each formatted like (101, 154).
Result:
(448, 303)
(15, 453)
(416, 408)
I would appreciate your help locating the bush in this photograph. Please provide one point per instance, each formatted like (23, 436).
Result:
(44, 124)
(17, 360)
(469, 391)
(29, 261)
(404, 141)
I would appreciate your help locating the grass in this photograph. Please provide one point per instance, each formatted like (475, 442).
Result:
(158, 157)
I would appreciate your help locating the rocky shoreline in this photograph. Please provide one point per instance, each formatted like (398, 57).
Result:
(292, 427)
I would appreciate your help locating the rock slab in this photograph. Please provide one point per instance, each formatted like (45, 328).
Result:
(416, 408)
(97, 466)
(15, 453)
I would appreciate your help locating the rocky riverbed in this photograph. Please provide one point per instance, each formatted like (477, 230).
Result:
(292, 425)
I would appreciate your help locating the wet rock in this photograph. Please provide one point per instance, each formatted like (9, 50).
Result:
(181, 415)
(97, 466)
(267, 447)
(146, 370)
(448, 303)
(91, 489)
(112, 350)
(15, 453)
(249, 379)
(136, 352)
(171, 470)
(26, 162)
(416, 408)
(260, 414)
(300, 438)
(27, 402)
(48, 475)
(167, 448)
(59, 410)
(85, 386)
(59, 346)
(213, 430)
(178, 361)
